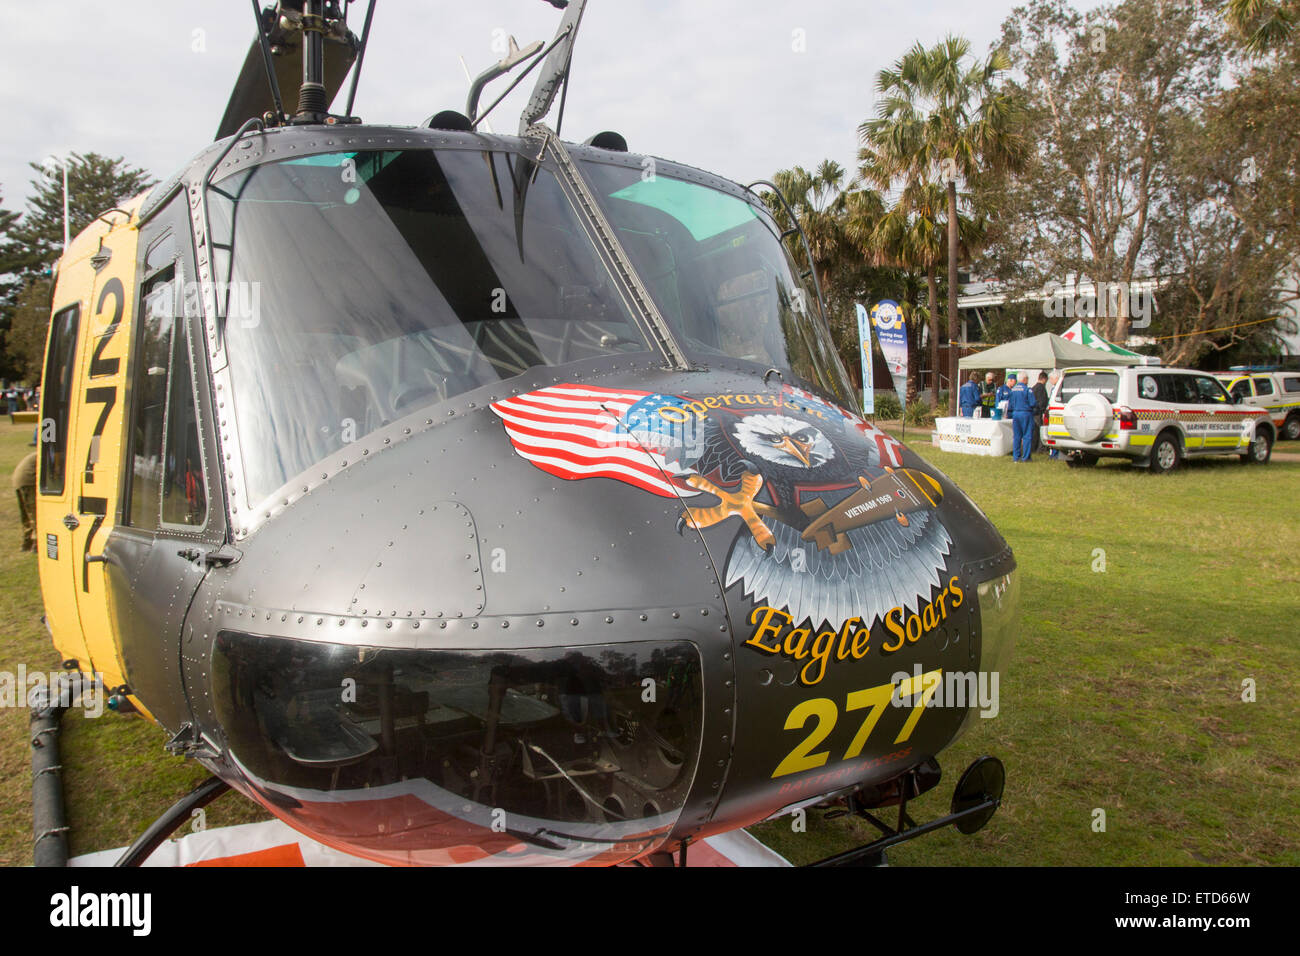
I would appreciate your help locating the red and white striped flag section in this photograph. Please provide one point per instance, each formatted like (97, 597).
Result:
(575, 431)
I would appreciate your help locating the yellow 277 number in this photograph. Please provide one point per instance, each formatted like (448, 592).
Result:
(921, 687)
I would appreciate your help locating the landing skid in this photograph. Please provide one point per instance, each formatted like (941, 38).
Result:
(974, 801)
(171, 821)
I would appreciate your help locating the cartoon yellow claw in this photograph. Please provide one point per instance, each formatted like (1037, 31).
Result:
(740, 503)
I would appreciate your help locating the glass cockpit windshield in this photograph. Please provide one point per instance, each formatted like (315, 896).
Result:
(720, 275)
(359, 287)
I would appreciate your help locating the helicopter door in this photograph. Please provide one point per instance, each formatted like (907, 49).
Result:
(158, 549)
(93, 471)
(56, 547)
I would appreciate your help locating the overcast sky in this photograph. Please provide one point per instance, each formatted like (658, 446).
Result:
(739, 87)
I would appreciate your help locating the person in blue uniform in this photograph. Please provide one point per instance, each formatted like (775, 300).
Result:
(1001, 395)
(969, 396)
(1020, 404)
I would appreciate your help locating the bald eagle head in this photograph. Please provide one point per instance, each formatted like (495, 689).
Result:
(783, 441)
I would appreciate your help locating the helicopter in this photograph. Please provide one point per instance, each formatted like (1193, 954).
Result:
(469, 498)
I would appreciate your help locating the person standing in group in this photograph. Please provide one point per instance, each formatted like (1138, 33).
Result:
(1040, 406)
(1001, 395)
(24, 480)
(969, 396)
(986, 394)
(1051, 387)
(1020, 405)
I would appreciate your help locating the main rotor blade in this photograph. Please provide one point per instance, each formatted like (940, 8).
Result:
(251, 94)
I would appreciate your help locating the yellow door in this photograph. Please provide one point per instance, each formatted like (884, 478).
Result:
(95, 471)
(55, 520)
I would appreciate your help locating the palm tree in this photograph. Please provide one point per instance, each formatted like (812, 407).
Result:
(826, 207)
(941, 121)
(819, 201)
(910, 234)
(1263, 25)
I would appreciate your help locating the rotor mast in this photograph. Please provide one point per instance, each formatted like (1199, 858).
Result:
(312, 104)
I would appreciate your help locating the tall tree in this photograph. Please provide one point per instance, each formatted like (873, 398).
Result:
(24, 342)
(95, 184)
(1105, 93)
(11, 255)
(945, 120)
(912, 236)
(825, 206)
(819, 200)
(1227, 232)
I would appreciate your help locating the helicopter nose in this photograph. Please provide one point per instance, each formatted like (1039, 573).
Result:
(856, 589)
(502, 667)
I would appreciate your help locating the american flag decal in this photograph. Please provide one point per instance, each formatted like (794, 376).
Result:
(578, 431)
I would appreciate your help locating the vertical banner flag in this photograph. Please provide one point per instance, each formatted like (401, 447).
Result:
(887, 317)
(864, 349)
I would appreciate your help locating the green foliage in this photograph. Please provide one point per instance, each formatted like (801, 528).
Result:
(888, 408)
(30, 246)
(10, 255)
(941, 119)
(1263, 25)
(1150, 158)
(919, 412)
(1228, 234)
(95, 184)
(24, 342)
(832, 212)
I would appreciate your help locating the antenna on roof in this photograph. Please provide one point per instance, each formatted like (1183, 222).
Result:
(513, 57)
(361, 55)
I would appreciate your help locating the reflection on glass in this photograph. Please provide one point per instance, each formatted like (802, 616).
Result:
(184, 499)
(365, 286)
(55, 398)
(157, 320)
(721, 276)
(447, 756)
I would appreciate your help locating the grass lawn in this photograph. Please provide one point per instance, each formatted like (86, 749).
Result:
(117, 778)
(1124, 692)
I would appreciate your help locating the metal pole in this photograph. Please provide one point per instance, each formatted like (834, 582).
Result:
(361, 57)
(311, 96)
(49, 823)
(65, 207)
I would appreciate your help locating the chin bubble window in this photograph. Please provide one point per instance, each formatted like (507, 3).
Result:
(570, 754)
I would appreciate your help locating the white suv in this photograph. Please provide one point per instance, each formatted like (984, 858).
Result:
(1155, 416)
(1279, 392)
